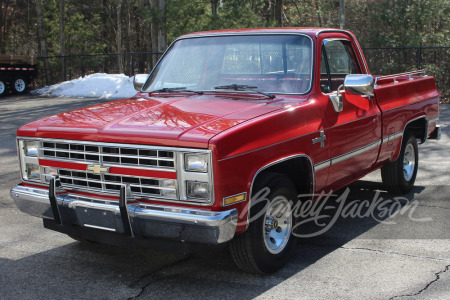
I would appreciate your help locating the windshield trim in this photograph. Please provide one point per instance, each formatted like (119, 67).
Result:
(145, 86)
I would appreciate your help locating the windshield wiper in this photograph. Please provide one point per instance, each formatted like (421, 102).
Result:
(176, 89)
(239, 87)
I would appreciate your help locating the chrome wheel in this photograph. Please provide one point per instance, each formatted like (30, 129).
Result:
(20, 85)
(277, 225)
(2, 87)
(409, 162)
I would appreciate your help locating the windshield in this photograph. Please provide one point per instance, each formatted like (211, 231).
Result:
(265, 63)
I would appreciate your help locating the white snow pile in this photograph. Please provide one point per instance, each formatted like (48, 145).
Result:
(99, 85)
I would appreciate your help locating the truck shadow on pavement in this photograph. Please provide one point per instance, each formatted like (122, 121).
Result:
(88, 270)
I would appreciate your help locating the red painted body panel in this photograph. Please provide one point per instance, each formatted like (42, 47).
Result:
(189, 121)
(247, 132)
(402, 102)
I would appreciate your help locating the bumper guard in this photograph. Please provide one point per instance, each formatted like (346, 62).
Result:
(127, 217)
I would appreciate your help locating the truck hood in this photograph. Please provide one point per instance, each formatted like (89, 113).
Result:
(185, 121)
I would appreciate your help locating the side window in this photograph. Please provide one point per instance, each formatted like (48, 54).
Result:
(338, 60)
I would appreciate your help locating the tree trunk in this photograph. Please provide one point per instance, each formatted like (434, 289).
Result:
(319, 17)
(214, 4)
(43, 41)
(2, 38)
(61, 39)
(154, 33)
(119, 36)
(279, 12)
(342, 14)
(162, 35)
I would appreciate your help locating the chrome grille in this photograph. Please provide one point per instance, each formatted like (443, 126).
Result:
(129, 155)
(110, 183)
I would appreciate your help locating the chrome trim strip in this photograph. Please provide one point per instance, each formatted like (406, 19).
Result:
(354, 153)
(35, 202)
(100, 227)
(433, 120)
(361, 150)
(354, 40)
(206, 35)
(395, 76)
(245, 198)
(311, 173)
(392, 137)
(345, 156)
(322, 165)
(102, 157)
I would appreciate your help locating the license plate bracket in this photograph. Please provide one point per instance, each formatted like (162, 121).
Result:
(96, 218)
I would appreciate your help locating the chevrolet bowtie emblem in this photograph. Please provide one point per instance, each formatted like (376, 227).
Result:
(97, 169)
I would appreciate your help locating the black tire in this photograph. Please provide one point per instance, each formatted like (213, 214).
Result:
(19, 85)
(399, 176)
(2, 87)
(253, 251)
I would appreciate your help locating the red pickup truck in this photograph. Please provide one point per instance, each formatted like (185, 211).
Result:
(228, 128)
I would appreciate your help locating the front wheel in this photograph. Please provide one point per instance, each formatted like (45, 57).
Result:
(269, 242)
(399, 176)
(19, 85)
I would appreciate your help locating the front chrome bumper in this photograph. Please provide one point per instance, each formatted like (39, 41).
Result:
(137, 220)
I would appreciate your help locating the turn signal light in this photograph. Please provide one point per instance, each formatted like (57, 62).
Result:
(234, 199)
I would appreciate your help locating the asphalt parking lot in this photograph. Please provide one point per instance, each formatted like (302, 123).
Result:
(406, 256)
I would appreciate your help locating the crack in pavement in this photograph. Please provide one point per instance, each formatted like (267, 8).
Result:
(153, 274)
(438, 276)
(395, 253)
(433, 206)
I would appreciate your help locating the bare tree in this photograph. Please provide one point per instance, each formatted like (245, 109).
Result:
(61, 38)
(119, 35)
(279, 12)
(154, 32)
(43, 40)
(162, 35)
(214, 4)
(342, 14)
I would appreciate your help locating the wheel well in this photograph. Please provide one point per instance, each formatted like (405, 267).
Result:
(297, 169)
(419, 128)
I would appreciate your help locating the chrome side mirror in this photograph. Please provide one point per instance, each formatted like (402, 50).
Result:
(139, 81)
(336, 100)
(359, 84)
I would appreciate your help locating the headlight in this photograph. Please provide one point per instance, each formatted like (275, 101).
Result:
(33, 172)
(196, 162)
(197, 190)
(31, 148)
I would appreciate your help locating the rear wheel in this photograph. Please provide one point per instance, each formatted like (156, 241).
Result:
(19, 85)
(2, 87)
(269, 242)
(399, 176)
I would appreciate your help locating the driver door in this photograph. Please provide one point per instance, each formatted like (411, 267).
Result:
(354, 132)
